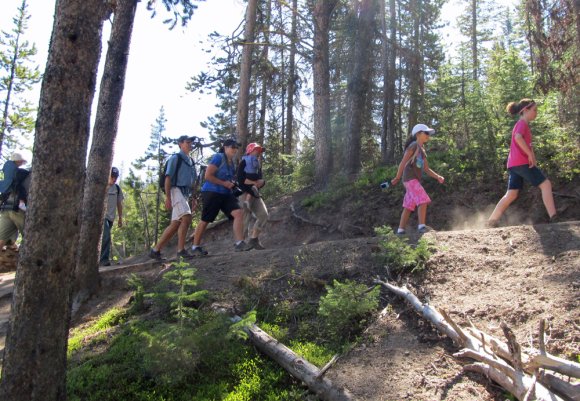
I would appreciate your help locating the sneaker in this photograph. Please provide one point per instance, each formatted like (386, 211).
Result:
(400, 232)
(153, 254)
(184, 254)
(242, 246)
(254, 243)
(198, 251)
(556, 218)
(492, 223)
(424, 229)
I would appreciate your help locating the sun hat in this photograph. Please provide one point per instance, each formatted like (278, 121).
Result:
(422, 128)
(232, 142)
(253, 146)
(17, 157)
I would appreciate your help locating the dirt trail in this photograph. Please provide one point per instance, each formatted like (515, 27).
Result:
(518, 274)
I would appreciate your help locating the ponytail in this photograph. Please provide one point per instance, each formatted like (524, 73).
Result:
(514, 108)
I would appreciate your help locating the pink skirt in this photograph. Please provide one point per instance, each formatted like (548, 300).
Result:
(415, 195)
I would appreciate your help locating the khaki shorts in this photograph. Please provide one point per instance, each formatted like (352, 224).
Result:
(11, 223)
(179, 204)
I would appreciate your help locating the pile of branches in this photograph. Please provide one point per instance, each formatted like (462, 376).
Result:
(535, 375)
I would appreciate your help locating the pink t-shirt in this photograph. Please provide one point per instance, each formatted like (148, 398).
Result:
(517, 157)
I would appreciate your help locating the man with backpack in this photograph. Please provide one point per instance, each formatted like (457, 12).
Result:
(180, 178)
(11, 211)
(114, 203)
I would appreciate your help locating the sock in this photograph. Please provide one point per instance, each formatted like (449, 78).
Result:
(420, 226)
(400, 231)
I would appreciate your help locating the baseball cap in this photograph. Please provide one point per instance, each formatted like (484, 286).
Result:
(17, 157)
(232, 142)
(422, 128)
(114, 172)
(183, 138)
(253, 146)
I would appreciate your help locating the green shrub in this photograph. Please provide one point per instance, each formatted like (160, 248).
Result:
(398, 255)
(345, 306)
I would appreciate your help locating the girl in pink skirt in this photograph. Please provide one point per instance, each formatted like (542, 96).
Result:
(413, 164)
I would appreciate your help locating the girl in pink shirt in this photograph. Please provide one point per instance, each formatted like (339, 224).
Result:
(522, 165)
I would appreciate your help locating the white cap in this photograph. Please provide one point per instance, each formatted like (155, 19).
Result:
(16, 157)
(422, 128)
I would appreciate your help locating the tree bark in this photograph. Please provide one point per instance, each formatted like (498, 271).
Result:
(291, 85)
(415, 62)
(321, 84)
(34, 367)
(245, 74)
(101, 154)
(359, 83)
(389, 56)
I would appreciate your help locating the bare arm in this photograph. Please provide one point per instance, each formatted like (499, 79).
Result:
(432, 173)
(406, 157)
(526, 149)
(210, 176)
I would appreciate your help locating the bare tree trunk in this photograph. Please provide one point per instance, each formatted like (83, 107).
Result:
(292, 78)
(34, 367)
(474, 54)
(101, 154)
(321, 82)
(265, 73)
(245, 74)
(359, 83)
(415, 58)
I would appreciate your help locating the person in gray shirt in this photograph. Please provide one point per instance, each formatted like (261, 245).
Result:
(114, 206)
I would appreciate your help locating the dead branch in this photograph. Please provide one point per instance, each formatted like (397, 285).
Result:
(297, 366)
(501, 362)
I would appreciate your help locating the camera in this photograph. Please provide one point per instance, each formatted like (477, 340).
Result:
(385, 185)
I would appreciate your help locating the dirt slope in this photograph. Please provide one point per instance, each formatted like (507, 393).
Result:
(518, 274)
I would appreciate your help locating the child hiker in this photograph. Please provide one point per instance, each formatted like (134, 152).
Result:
(413, 164)
(522, 164)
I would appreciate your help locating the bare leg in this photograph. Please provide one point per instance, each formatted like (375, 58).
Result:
(238, 224)
(182, 231)
(548, 197)
(199, 230)
(404, 218)
(510, 196)
(167, 234)
(422, 213)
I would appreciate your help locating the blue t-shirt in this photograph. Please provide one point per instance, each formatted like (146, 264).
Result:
(226, 172)
(252, 164)
(185, 174)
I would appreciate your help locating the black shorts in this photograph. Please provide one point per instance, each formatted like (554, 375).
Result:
(213, 202)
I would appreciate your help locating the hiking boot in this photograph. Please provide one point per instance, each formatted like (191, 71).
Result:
(153, 254)
(184, 254)
(242, 246)
(556, 218)
(254, 243)
(198, 251)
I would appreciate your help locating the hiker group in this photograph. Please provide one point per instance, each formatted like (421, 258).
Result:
(234, 189)
(223, 180)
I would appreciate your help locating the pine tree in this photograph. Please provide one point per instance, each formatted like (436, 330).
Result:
(16, 78)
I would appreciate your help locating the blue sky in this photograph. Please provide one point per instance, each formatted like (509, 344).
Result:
(160, 64)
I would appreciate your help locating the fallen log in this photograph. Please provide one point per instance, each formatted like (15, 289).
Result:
(297, 366)
(504, 363)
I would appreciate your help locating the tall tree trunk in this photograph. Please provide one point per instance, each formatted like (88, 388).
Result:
(321, 83)
(265, 63)
(292, 78)
(415, 58)
(359, 83)
(474, 55)
(101, 154)
(246, 73)
(390, 84)
(34, 367)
